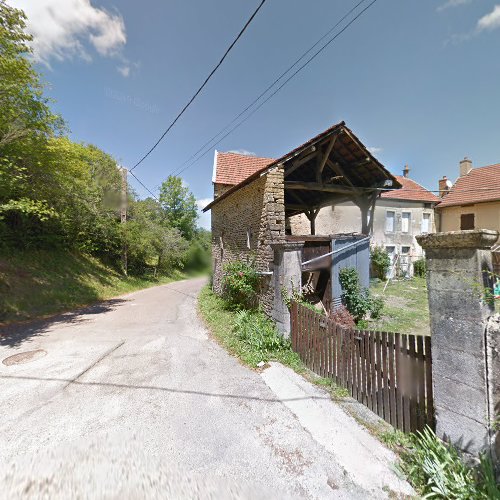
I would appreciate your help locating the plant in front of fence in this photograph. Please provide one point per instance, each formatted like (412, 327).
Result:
(239, 284)
(437, 470)
(358, 300)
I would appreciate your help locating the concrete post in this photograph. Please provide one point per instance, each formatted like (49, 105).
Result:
(458, 267)
(287, 276)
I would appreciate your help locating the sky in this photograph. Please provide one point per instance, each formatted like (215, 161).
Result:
(418, 81)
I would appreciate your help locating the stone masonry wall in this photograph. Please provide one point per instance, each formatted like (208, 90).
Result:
(245, 225)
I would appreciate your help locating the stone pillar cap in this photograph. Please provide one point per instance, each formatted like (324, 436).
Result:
(477, 238)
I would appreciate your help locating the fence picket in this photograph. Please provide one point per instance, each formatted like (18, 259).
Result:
(420, 380)
(405, 383)
(390, 373)
(429, 399)
(392, 380)
(413, 392)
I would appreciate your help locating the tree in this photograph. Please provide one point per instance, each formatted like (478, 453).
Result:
(179, 206)
(24, 111)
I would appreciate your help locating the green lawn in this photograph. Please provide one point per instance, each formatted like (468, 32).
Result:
(406, 308)
(40, 283)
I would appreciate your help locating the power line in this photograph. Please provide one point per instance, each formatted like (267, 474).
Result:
(240, 34)
(143, 185)
(323, 47)
(270, 86)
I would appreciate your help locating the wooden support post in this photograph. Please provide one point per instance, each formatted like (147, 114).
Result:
(311, 215)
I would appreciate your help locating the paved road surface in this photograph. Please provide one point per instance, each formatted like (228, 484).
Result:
(133, 400)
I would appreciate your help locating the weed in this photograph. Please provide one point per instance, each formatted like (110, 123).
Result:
(436, 470)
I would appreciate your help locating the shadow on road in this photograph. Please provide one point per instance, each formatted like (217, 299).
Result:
(16, 334)
(70, 382)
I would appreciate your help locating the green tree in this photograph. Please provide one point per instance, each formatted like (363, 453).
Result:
(24, 111)
(179, 206)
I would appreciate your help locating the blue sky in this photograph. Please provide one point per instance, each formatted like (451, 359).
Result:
(417, 80)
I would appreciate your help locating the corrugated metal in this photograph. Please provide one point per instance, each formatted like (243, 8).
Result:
(357, 256)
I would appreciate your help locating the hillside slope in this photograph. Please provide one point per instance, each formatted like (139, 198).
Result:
(39, 283)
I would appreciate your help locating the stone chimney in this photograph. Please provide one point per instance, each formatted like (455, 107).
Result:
(465, 166)
(406, 171)
(444, 186)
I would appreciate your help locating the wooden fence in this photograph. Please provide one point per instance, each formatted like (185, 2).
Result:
(390, 373)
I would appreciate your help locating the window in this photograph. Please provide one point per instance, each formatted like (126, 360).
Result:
(405, 250)
(426, 219)
(249, 238)
(405, 222)
(389, 221)
(466, 221)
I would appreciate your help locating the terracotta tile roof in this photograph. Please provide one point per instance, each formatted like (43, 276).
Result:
(232, 168)
(411, 191)
(470, 188)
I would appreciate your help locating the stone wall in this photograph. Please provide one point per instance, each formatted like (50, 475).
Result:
(245, 225)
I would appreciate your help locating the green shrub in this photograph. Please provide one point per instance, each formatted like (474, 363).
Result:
(239, 284)
(377, 305)
(356, 299)
(381, 261)
(259, 333)
(419, 268)
(436, 470)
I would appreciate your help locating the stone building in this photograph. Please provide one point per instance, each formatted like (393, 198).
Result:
(399, 217)
(250, 217)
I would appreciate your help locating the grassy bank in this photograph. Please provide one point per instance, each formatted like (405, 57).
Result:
(39, 283)
(255, 340)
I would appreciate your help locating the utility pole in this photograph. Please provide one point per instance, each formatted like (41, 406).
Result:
(123, 214)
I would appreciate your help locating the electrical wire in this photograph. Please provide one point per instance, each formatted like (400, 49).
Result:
(183, 110)
(316, 54)
(143, 185)
(269, 87)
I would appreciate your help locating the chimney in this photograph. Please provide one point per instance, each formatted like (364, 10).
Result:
(406, 171)
(465, 166)
(444, 186)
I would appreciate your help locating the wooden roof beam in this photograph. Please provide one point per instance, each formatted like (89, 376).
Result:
(324, 159)
(299, 162)
(318, 186)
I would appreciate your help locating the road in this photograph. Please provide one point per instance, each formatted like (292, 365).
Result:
(132, 399)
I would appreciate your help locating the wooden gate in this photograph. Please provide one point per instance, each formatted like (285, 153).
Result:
(390, 373)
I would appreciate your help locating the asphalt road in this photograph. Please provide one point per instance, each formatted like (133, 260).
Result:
(132, 399)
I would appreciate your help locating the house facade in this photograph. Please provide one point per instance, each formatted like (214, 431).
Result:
(473, 201)
(250, 217)
(398, 218)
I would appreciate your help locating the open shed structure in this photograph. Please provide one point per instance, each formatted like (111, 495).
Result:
(250, 219)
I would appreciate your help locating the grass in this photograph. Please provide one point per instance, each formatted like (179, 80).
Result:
(406, 308)
(41, 283)
(221, 319)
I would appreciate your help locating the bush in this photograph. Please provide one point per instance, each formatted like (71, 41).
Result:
(239, 284)
(381, 261)
(420, 268)
(377, 305)
(259, 333)
(343, 317)
(436, 470)
(357, 300)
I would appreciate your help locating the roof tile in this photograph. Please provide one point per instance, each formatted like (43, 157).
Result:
(411, 191)
(479, 185)
(232, 168)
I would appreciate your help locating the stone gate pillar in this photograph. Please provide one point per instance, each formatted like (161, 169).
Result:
(458, 278)
(287, 274)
